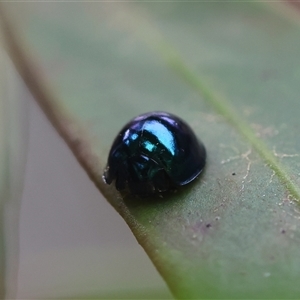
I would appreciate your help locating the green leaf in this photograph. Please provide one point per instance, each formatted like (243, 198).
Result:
(232, 71)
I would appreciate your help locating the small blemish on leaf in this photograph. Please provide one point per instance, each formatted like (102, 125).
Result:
(208, 225)
(233, 173)
(264, 132)
(283, 155)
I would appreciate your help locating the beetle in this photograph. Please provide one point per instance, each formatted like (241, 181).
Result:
(154, 153)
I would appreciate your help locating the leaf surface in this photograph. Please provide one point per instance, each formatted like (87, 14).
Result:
(232, 71)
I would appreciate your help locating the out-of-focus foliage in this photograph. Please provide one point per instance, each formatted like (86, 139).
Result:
(232, 71)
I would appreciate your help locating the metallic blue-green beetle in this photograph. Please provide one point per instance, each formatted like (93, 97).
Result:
(154, 153)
